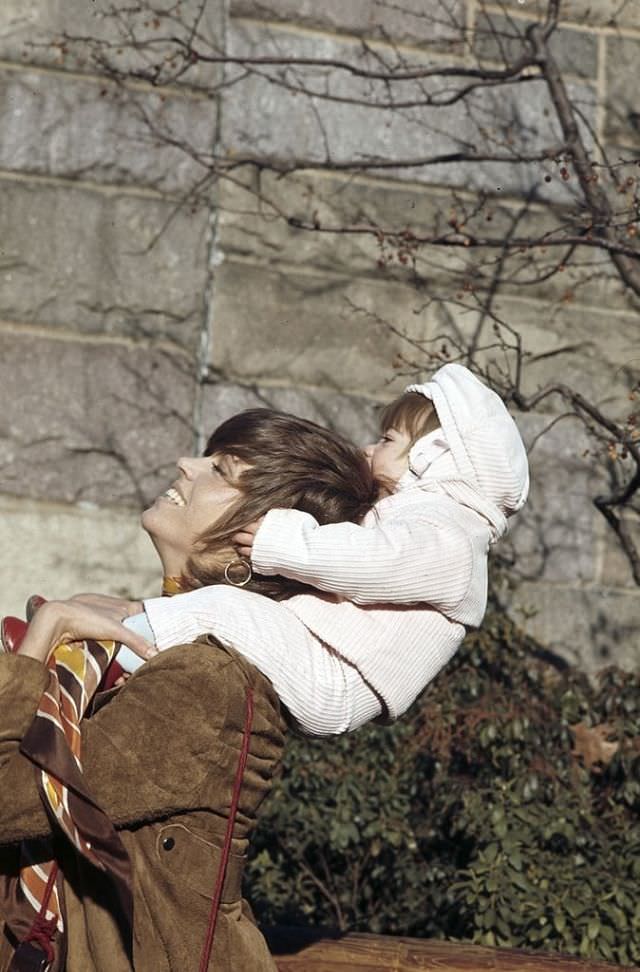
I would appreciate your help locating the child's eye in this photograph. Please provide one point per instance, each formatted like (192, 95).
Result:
(215, 468)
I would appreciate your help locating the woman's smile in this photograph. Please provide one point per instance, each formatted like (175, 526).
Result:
(175, 497)
(205, 490)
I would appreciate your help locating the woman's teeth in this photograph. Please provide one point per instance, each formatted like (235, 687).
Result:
(175, 497)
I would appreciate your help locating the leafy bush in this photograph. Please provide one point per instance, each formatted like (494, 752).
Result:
(481, 815)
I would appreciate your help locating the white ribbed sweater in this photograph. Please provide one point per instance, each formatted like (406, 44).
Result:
(400, 589)
(414, 573)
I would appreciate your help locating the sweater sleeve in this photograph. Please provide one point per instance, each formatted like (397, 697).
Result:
(183, 617)
(394, 562)
(234, 616)
(22, 815)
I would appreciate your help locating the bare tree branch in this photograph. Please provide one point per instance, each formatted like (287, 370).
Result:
(568, 204)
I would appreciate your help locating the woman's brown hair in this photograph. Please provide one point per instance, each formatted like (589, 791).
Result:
(293, 463)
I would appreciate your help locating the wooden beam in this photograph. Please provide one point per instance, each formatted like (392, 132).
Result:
(316, 950)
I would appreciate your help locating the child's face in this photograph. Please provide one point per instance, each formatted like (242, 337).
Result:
(389, 456)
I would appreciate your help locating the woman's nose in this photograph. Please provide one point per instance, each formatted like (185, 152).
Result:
(188, 466)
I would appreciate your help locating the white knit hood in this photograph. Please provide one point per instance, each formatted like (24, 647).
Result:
(477, 456)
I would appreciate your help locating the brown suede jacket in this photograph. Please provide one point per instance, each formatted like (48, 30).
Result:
(160, 757)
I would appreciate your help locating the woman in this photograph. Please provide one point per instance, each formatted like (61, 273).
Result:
(165, 756)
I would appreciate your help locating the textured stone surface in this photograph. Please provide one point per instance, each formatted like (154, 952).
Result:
(562, 342)
(415, 22)
(101, 264)
(623, 111)
(338, 124)
(589, 280)
(595, 13)
(352, 416)
(250, 229)
(606, 13)
(591, 627)
(615, 569)
(91, 423)
(59, 126)
(500, 38)
(253, 225)
(33, 31)
(279, 323)
(555, 535)
(288, 327)
(58, 551)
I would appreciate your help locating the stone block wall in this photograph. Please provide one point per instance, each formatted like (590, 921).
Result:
(140, 304)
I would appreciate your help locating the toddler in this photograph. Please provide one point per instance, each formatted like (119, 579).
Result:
(396, 593)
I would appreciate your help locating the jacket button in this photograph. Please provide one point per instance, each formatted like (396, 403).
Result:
(168, 843)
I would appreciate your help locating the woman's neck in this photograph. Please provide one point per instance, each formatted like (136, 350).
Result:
(171, 585)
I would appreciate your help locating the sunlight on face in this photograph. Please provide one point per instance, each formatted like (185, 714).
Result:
(203, 492)
(389, 456)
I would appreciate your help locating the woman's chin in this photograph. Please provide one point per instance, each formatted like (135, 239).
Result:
(171, 554)
(152, 522)
(147, 517)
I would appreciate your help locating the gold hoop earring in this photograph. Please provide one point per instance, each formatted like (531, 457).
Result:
(243, 563)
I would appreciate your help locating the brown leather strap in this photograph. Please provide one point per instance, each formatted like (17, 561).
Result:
(228, 837)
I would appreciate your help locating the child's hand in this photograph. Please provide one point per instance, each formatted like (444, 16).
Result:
(243, 539)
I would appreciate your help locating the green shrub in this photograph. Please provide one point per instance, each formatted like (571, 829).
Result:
(480, 815)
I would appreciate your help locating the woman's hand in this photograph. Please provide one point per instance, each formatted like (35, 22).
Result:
(81, 617)
(243, 539)
(115, 607)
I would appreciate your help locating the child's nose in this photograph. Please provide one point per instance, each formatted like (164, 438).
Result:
(368, 451)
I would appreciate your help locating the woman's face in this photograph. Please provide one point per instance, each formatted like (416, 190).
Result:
(202, 493)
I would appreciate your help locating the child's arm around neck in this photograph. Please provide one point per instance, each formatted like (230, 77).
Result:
(407, 558)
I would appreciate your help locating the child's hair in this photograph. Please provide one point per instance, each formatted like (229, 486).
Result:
(412, 413)
(292, 463)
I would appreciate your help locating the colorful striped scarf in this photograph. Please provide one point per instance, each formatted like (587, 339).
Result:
(53, 744)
